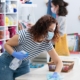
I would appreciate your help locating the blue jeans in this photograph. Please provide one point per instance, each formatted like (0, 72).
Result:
(6, 73)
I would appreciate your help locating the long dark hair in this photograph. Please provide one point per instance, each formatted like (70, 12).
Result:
(42, 26)
(62, 7)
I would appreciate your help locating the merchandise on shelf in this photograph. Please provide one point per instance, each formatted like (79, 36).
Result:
(10, 7)
(7, 21)
(12, 31)
(10, 20)
(1, 46)
(73, 41)
(7, 34)
(1, 19)
(1, 7)
(14, 7)
(26, 1)
(1, 33)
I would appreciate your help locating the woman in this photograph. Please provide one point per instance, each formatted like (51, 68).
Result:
(58, 8)
(34, 41)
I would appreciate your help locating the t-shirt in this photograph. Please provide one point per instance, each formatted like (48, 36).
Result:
(26, 43)
(62, 24)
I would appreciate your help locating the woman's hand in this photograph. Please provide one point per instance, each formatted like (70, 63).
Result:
(53, 76)
(19, 55)
(55, 58)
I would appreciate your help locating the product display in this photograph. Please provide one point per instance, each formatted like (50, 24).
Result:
(8, 20)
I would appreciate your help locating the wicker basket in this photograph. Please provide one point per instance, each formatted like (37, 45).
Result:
(67, 66)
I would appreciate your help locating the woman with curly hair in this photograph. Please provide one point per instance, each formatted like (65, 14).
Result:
(33, 41)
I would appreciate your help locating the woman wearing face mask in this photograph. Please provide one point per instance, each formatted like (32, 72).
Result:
(58, 8)
(33, 41)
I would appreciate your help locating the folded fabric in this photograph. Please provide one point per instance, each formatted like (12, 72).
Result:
(50, 76)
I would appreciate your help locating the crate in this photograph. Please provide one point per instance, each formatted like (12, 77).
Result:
(67, 66)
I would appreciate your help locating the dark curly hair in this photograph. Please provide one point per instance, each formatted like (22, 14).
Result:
(41, 28)
(62, 7)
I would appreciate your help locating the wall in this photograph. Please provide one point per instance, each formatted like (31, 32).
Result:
(73, 24)
(41, 8)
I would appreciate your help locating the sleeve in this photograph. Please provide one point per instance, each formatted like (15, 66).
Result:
(62, 26)
(22, 36)
(49, 46)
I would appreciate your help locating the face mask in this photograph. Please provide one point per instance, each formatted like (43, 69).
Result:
(54, 13)
(52, 9)
(50, 35)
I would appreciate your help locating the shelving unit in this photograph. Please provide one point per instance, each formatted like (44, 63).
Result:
(8, 20)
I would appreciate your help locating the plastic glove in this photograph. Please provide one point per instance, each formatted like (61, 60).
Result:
(19, 55)
(53, 76)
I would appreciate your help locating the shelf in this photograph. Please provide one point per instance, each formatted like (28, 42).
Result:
(2, 0)
(11, 13)
(28, 5)
(2, 13)
(10, 25)
(13, 0)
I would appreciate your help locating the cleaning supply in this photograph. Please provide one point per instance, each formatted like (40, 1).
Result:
(53, 76)
(17, 61)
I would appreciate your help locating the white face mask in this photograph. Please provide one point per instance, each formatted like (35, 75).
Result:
(52, 9)
(50, 35)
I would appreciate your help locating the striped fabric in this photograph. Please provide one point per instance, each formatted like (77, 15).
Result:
(27, 44)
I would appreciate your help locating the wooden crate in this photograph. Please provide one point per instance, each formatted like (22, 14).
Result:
(67, 66)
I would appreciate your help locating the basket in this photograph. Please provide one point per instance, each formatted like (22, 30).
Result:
(67, 66)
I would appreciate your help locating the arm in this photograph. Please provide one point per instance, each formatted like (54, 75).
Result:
(62, 25)
(11, 43)
(56, 60)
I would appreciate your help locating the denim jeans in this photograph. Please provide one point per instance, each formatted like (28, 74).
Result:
(6, 73)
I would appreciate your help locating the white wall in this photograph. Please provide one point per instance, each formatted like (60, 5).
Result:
(73, 24)
(41, 8)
